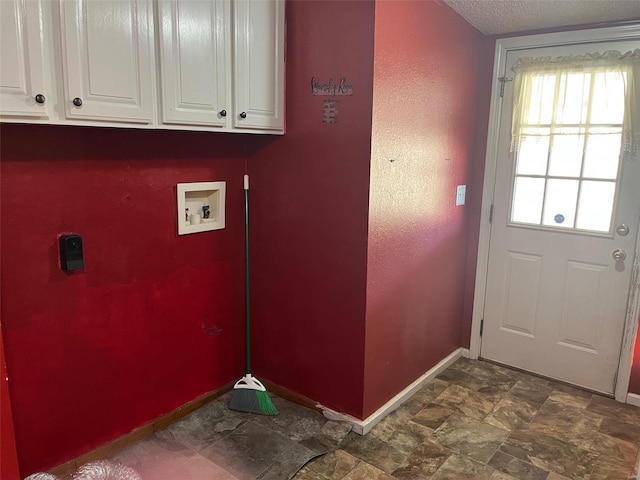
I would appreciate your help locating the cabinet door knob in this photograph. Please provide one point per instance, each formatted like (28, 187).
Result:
(243, 115)
(223, 113)
(39, 98)
(77, 101)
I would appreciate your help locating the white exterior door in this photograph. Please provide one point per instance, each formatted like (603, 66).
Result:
(556, 298)
(259, 64)
(22, 88)
(195, 61)
(107, 53)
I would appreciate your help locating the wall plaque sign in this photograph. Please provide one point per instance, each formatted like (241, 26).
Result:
(331, 88)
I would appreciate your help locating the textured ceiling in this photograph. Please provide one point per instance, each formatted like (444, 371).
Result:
(507, 16)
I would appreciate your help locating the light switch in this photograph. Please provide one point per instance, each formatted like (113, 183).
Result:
(461, 191)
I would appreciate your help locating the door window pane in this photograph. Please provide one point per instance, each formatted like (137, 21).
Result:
(528, 194)
(532, 155)
(602, 156)
(596, 205)
(560, 203)
(566, 154)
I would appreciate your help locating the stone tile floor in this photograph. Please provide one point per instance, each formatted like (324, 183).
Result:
(476, 421)
(481, 421)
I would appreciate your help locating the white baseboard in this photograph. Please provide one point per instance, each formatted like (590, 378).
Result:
(633, 399)
(364, 426)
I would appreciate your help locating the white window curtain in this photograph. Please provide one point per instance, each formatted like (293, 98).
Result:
(578, 97)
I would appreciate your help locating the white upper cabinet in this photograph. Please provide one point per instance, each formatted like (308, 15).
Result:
(22, 85)
(195, 65)
(199, 41)
(259, 64)
(208, 65)
(107, 59)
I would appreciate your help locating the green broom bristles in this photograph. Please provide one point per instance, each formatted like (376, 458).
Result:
(266, 405)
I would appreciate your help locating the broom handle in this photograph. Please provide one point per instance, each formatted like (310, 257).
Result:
(247, 293)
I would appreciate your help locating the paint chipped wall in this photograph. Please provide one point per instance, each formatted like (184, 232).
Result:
(153, 321)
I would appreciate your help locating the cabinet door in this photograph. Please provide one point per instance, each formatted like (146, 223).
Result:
(195, 61)
(21, 60)
(107, 59)
(259, 64)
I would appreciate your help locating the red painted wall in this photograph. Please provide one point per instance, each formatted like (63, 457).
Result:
(422, 147)
(8, 455)
(634, 384)
(309, 194)
(153, 321)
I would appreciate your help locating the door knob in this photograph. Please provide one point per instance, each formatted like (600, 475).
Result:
(619, 255)
(39, 98)
(223, 113)
(243, 115)
(77, 101)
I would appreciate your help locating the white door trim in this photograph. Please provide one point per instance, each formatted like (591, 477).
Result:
(624, 32)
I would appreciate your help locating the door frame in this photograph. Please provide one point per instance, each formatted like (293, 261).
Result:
(503, 46)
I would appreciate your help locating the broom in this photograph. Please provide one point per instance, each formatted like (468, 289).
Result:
(249, 394)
